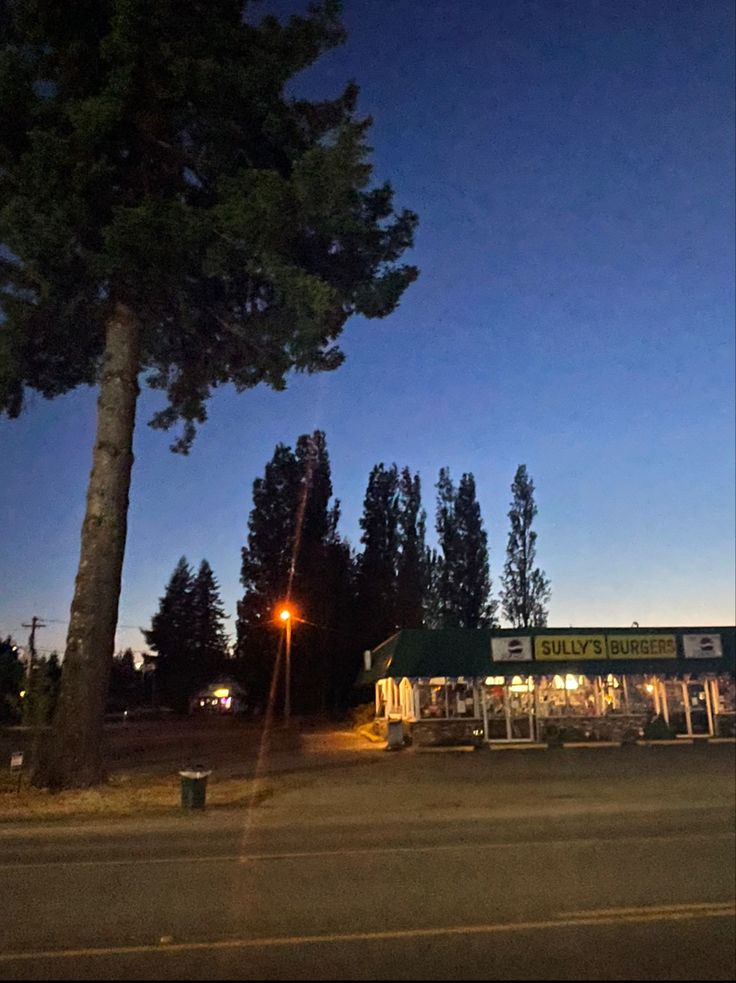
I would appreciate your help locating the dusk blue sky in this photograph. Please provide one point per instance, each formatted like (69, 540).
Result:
(572, 164)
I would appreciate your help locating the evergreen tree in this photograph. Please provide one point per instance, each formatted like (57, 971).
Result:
(314, 522)
(42, 694)
(208, 636)
(295, 554)
(126, 682)
(378, 563)
(267, 560)
(170, 636)
(11, 681)
(315, 589)
(343, 657)
(526, 589)
(411, 578)
(266, 569)
(169, 211)
(464, 582)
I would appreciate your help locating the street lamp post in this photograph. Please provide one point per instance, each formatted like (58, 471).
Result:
(285, 616)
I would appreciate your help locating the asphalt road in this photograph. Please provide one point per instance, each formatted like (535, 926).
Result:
(571, 895)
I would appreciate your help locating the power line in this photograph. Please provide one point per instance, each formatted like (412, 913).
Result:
(65, 621)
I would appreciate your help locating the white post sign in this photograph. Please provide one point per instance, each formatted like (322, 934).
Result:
(16, 760)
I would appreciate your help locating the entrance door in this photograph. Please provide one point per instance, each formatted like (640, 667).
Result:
(675, 705)
(521, 713)
(697, 702)
(688, 707)
(509, 711)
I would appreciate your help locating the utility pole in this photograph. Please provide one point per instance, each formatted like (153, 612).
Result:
(35, 623)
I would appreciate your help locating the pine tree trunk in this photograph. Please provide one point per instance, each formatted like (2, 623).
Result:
(75, 757)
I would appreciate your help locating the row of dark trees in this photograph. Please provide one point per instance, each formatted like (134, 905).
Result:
(30, 698)
(344, 601)
(188, 634)
(348, 601)
(27, 698)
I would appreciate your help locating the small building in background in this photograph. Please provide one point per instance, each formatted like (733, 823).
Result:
(469, 686)
(222, 696)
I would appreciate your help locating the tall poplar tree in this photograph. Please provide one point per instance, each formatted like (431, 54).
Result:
(266, 568)
(378, 563)
(411, 576)
(433, 595)
(295, 554)
(526, 589)
(464, 581)
(169, 210)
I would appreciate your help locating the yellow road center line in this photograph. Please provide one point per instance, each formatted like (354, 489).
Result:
(383, 936)
(665, 908)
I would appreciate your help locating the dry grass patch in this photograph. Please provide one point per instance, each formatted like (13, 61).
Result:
(123, 795)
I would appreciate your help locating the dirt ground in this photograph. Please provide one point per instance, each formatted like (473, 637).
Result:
(333, 773)
(144, 759)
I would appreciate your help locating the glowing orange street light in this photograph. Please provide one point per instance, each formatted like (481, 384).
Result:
(285, 614)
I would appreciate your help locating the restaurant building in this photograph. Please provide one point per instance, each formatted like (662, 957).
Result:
(540, 685)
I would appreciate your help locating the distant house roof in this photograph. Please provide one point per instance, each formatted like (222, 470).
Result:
(423, 652)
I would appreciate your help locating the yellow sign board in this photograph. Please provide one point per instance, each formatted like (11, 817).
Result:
(642, 647)
(562, 647)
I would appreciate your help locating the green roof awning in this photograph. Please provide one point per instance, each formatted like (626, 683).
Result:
(418, 653)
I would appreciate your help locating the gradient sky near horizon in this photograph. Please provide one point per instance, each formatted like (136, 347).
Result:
(572, 164)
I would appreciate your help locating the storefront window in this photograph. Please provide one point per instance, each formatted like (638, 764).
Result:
(726, 694)
(580, 695)
(548, 695)
(724, 701)
(612, 694)
(433, 698)
(461, 702)
(640, 693)
(565, 695)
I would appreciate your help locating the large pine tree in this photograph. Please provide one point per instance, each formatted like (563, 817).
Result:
(169, 211)
(209, 638)
(170, 637)
(526, 590)
(464, 582)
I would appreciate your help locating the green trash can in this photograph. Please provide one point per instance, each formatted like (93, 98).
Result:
(194, 788)
(395, 732)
